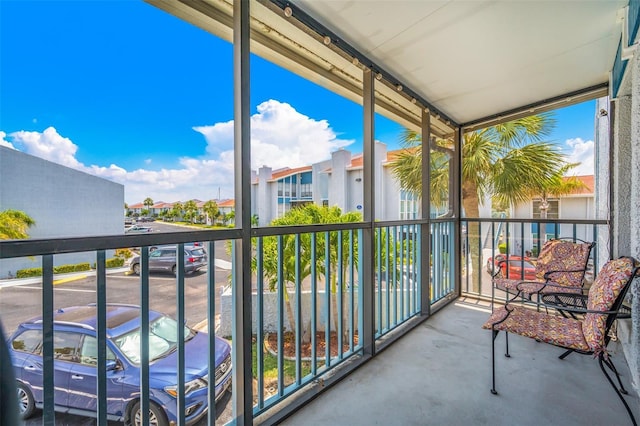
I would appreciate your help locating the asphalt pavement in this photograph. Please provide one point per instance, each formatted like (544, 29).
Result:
(21, 299)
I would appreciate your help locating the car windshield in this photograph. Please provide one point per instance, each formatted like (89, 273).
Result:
(163, 339)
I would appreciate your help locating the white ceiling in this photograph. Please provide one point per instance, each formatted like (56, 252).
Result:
(474, 59)
(468, 59)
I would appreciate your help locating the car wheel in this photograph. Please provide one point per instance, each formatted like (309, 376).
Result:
(173, 269)
(156, 415)
(136, 268)
(26, 404)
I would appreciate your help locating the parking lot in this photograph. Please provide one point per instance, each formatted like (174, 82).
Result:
(22, 299)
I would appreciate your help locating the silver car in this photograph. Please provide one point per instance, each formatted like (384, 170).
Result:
(163, 258)
(137, 229)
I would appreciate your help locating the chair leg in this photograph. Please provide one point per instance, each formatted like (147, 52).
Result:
(604, 371)
(506, 341)
(609, 363)
(566, 354)
(494, 334)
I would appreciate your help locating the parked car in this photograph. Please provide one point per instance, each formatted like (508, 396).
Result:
(75, 361)
(515, 267)
(196, 244)
(146, 219)
(163, 258)
(137, 229)
(492, 263)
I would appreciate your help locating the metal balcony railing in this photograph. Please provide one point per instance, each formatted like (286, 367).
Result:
(308, 299)
(483, 239)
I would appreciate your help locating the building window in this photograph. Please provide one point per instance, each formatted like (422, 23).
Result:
(280, 188)
(305, 190)
(550, 211)
(409, 204)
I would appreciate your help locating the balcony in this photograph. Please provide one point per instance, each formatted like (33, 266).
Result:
(414, 292)
(426, 353)
(440, 373)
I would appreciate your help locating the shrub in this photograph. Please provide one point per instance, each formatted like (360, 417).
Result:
(29, 272)
(114, 262)
(61, 269)
(80, 267)
(123, 253)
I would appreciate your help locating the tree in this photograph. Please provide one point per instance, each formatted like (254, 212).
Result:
(176, 210)
(210, 208)
(190, 210)
(558, 186)
(230, 217)
(148, 202)
(509, 160)
(14, 225)
(297, 248)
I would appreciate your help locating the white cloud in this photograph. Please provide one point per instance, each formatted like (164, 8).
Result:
(48, 145)
(581, 152)
(4, 142)
(281, 137)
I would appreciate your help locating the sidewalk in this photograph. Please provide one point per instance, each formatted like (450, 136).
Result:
(58, 278)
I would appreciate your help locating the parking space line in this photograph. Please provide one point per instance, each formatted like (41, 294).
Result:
(77, 290)
(69, 279)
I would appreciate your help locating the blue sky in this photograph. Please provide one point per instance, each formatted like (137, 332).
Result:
(128, 92)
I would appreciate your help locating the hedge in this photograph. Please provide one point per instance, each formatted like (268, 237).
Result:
(113, 262)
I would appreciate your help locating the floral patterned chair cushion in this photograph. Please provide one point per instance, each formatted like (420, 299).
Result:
(587, 334)
(561, 255)
(556, 255)
(553, 329)
(602, 295)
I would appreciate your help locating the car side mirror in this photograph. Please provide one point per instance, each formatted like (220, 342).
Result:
(112, 365)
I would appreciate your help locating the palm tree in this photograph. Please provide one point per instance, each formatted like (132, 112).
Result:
(176, 210)
(556, 187)
(230, 217)
(272, 264)
(14, 225)
(148, 202)
(190, 210)
(510, 160)
(211, 210)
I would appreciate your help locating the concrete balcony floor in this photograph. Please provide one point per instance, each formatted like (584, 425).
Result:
(440, 374)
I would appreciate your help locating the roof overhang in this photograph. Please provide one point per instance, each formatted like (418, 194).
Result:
(469, 63)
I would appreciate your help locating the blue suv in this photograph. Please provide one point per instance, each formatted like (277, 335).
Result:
(75, 361)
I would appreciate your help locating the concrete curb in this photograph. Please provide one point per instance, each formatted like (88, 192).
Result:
(58, 277)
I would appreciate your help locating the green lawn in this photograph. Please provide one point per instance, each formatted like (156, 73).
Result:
(271, 367)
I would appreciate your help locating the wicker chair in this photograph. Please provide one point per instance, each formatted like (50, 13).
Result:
(588, 335)
(560, 268)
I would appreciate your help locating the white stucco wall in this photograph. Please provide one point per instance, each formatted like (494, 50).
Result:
(626, 201)
(63, 202)
(270, 307)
